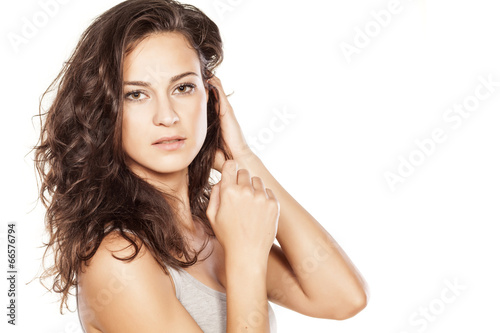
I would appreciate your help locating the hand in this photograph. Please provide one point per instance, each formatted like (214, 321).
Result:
(243, 214)
(231, 130)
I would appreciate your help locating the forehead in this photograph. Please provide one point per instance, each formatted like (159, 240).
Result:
(161, 55)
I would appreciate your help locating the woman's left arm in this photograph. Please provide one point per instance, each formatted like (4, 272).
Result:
(309, 273)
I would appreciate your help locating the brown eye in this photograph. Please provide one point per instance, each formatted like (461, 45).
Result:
(185, 88)
(135, 96)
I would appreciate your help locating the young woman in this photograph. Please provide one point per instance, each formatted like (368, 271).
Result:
(138, 122)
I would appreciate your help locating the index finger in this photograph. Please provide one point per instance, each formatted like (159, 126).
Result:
(229, 172)
(223, 101)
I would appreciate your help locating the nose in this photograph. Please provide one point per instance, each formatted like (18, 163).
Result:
(165, 113)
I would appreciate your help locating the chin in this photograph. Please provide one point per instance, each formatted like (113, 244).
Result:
(171, 167)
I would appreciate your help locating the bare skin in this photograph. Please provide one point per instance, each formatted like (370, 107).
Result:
(248, 210)
(118, 297)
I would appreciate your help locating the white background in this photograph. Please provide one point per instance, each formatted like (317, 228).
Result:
(355, 118)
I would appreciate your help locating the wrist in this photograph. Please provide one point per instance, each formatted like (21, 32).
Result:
(246, 159)
(255, 263)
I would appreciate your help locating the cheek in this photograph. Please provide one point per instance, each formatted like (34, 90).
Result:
(201, 123)
(195, 120)
(128, 135)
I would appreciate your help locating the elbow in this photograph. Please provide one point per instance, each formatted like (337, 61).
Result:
(350, 308)
(357, 301)
(345, 303)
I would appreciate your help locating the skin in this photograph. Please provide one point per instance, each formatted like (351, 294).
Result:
(248, 210)
(162, 109)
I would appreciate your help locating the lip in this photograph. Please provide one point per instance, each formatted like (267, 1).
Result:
(170, 146)
(167, 138)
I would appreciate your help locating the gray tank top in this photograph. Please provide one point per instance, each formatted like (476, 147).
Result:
(207, 306)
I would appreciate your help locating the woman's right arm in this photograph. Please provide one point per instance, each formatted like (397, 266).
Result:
(116, 296)
(247, 307)
(244, 216)
(137, 296)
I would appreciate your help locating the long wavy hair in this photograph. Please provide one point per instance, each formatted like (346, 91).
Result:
(86, 187)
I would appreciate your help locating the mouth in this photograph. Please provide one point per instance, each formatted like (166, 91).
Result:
(169, 140)
(170, 144)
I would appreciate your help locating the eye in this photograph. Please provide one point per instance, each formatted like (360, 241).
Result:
(185, 88)
(135, 96)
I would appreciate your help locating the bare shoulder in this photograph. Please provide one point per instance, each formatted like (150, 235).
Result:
(105, 267)
(128, 296)
(114, 245)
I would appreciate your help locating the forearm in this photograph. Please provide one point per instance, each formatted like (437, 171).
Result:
(247, 304)
(323, 270)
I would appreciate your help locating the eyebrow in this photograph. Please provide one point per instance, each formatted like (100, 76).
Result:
(147, 84)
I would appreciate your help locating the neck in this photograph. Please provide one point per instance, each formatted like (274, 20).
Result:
(174, 184)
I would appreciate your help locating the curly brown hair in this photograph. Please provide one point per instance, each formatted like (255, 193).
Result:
(86, 187)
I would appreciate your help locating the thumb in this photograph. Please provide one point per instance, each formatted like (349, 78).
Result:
(213, 204)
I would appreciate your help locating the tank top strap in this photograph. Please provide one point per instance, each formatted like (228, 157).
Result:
(176, 281)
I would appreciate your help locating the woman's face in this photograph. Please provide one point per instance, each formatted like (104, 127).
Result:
(164, 97)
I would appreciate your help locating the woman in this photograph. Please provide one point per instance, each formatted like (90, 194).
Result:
(126, 151)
